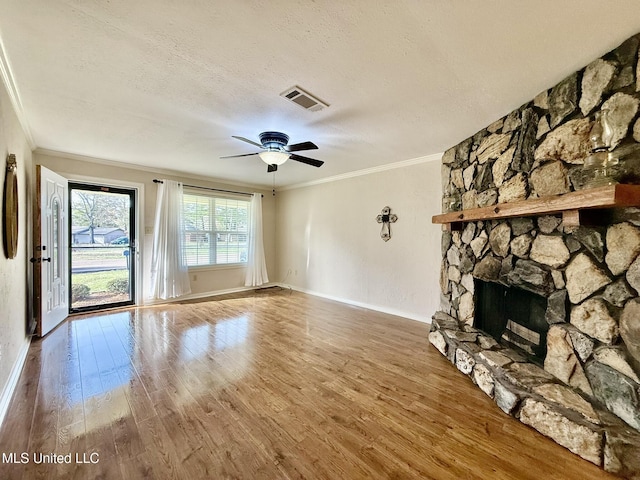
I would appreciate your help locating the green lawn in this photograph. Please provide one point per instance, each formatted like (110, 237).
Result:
(98, 281)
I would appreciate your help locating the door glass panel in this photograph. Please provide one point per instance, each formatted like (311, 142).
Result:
(102, 247)
(55, 248)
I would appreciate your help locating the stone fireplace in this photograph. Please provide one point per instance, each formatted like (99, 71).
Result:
(544, 315)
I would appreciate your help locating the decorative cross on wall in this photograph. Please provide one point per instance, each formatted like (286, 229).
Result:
(386, 218)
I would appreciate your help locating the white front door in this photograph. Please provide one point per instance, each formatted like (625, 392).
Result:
(51, 257)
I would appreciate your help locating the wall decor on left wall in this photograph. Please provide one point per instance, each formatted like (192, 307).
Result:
(10, 208)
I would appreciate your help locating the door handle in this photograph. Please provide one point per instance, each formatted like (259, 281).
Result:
(38, 248)
(47, 259)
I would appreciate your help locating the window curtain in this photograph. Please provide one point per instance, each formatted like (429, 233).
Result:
(169, 273)
(256, 264)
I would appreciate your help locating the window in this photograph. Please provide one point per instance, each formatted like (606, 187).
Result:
(216, 229)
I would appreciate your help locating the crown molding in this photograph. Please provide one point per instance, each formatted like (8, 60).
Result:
(14, 95)
(158, 171)
(366, 171)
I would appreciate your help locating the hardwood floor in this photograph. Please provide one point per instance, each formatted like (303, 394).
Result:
(268, 385)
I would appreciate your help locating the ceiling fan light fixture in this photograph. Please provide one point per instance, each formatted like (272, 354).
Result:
(274, 157)
(276, 150)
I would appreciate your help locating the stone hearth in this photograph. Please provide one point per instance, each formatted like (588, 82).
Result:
(538, 398)
(587, 396)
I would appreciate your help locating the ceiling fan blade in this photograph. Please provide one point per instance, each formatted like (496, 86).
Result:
(296, 147)
(272, 168)
(307, 160)
(247, 140)
(243, 155)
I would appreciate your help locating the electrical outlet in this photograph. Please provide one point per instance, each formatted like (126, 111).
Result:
(148, 230)
(195, 277)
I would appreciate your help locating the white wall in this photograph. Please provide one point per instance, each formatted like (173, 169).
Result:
(329, 241)
(15, 273)
(204, 281)
(323, 239)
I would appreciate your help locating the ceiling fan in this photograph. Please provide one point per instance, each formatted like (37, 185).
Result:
(276, 151)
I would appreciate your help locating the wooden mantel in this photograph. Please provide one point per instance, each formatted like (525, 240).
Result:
(569, 204)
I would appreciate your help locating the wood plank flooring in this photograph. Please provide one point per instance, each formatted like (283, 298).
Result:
(264, 385)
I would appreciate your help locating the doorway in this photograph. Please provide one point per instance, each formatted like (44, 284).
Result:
(102, 247)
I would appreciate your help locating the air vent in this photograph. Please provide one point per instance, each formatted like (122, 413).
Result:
(307, 101)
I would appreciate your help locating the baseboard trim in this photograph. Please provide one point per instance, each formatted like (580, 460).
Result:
(215, 293)
(12, 381)
(376, 308)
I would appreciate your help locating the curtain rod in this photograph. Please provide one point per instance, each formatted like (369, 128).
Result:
(155, 180)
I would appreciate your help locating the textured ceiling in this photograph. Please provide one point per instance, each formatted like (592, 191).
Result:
(165, 84)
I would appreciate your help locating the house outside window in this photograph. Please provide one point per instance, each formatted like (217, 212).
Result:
(216, 229)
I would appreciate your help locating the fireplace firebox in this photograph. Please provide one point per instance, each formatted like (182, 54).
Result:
(514, 317)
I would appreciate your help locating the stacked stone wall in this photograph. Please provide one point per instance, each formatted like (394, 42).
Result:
(589, 274)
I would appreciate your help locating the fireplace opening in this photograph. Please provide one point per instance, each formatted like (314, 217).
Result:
(514, 317)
